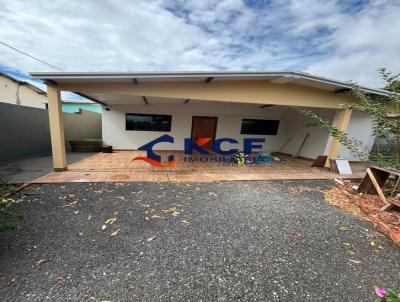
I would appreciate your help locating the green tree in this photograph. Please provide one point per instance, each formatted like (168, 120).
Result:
(385, 113)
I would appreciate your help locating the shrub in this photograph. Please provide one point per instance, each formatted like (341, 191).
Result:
(385, 114)
(8, 218)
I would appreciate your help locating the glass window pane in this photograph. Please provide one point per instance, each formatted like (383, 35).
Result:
(148, 122)
(263, 127)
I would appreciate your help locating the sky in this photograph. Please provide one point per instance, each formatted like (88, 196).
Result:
(343, 40)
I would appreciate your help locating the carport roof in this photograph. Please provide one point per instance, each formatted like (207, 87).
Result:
(282, 77)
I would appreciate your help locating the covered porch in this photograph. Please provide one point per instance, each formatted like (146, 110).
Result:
(230, 97)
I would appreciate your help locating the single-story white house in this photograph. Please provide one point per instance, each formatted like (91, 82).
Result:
(140, 107)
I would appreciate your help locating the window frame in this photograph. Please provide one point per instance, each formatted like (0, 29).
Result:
(273, 133)
(168, 116)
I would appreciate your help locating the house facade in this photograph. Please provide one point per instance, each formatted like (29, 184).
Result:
(14, 91)
(229, 121)
(139, 108)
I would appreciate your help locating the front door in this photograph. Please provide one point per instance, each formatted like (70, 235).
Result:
(204, 127)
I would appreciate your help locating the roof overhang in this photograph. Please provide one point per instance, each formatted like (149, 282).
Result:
(281, 77)
(290, 88)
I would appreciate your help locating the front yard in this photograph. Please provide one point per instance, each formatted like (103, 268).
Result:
(264, 241)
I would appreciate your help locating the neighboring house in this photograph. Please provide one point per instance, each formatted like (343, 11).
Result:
(14, 91)
(77, 106)
(141, 107)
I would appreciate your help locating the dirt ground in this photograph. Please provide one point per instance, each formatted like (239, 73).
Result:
(367, 207)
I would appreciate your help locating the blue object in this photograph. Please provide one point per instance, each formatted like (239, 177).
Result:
(264, 158)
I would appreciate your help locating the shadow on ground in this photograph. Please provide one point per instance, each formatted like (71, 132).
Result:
(27, 170)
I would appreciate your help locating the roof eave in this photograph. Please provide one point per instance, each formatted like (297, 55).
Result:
(195, 75)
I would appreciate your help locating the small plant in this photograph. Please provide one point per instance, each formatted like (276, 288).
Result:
(239, 158)
(389, 295)
(8, 218)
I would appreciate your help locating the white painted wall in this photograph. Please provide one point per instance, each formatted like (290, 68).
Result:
(360, 127)
(292, 124)
(13, 93)
(298, 127)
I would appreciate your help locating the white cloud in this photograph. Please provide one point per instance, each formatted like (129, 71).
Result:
(324, 37)
(362, 44)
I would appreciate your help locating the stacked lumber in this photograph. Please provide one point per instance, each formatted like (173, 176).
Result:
(374, 182)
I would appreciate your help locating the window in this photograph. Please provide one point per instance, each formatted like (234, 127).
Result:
(265, 127)
(148, 122)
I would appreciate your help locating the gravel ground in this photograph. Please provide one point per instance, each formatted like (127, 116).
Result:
(247, 241)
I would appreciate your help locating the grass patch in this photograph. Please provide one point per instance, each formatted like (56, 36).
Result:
(8, 218)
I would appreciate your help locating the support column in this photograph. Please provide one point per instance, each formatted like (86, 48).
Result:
(56, 128)
(341, 123)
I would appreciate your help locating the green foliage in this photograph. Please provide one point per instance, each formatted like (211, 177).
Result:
(8, 218)
(392, 81)
(385, 113)
(354, 145)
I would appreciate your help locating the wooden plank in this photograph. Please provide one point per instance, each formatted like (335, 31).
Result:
(376, 185)
(386, 207)
(332, 166)
(394, 201)
(301, 146)
(367, 186)
(16, 190)
(380, 175)
(396, 187)
(284, 145)
(319, 161)
(364, 186)
(391, 202)
(387, 170)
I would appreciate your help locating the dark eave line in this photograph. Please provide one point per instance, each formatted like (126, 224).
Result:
(90, 98)
(342, 90)
(265, 106)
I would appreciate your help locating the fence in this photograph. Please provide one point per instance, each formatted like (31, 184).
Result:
(24, 131)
